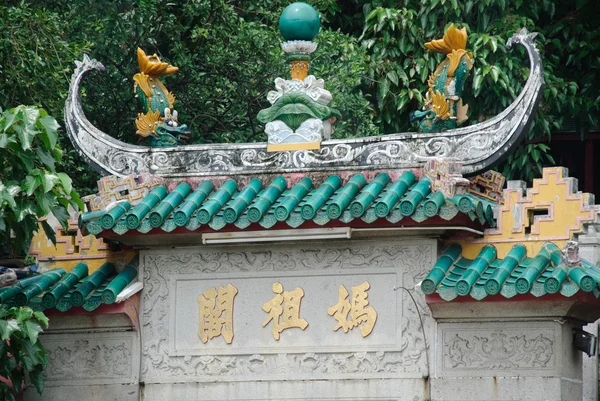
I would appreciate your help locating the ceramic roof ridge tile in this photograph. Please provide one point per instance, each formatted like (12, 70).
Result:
(455, 276)
(63, 290)
(335, 199)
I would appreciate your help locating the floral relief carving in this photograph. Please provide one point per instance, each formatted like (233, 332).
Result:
(412, 260)
(499, 350)
(84, 359)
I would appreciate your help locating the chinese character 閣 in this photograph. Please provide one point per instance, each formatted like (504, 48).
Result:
(216, 313)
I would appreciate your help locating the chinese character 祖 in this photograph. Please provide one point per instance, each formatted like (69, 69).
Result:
(359, 310)
(286, 303)
(216, 313)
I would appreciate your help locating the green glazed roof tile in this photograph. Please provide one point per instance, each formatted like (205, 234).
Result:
(61, 290)
(539, 275)
(219, 206)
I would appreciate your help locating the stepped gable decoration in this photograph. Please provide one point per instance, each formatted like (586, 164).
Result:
(533, 249)
(443, 109)
(299, 118)
(552, 210)
(479, 147)
(73, 247)
(158, 122)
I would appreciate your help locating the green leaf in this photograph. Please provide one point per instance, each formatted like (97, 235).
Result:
(7, 328)
(49, 231)
(23, 313)
(494, 72)
(28, 160)
(37, 378)
(9, 120)
(49, 131)
(32, 329)
(25, 135)
(48, 181)
(66, 182)
(62, 216)
(77, 201)
(392, 76)
(32, 354)
(30, 185)
(43, 319)
(46, 157)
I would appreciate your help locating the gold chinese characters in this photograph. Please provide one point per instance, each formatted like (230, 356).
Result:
(283, 311)
(216, 313)
(286, 303)
(359, 310)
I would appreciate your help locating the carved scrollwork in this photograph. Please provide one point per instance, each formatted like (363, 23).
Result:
(479, 146)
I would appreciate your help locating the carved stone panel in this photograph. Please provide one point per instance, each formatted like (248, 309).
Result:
(174, 278)
(498, 348)
(82, 358)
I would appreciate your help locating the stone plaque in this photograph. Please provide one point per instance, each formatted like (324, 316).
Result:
(255, 289)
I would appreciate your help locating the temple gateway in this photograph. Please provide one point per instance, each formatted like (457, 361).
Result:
(306, 267)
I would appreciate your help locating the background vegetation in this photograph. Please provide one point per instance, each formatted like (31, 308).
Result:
(370, 53)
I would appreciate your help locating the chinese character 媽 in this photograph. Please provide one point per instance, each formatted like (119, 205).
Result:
(286, 303)
(216, 313)
(360, 313)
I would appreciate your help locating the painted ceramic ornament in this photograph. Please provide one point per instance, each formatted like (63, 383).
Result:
(443, 109)
(157, 122)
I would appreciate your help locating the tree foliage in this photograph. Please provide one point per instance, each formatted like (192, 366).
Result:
(370, 54)
(30, 186)
(21, 352)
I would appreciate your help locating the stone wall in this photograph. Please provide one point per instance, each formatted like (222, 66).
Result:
(92, 358)
(315, 363)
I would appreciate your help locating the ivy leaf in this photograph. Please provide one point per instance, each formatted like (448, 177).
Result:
(25, 135)
(66, 182)
(30, 185)
(32, 330)
(49, 131)
(32, 354)
(48, 181)
(46, 157)
(23, 314)
(49, 231)
(61, 214)
(37, 378)
(43, 319)
(76, 200)
(7, 328)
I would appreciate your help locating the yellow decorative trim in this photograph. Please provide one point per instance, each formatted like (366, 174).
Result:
(551, 210)
(454, 59)
(146, 123)
(454, 39)
(141, 79)
(299, 69)
(152, 65)
(293, 146)
(440, 105)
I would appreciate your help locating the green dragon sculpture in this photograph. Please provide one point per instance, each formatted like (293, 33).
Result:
(443, 109)
(158, 122)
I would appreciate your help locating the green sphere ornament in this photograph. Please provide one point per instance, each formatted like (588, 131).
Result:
(299, 21)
